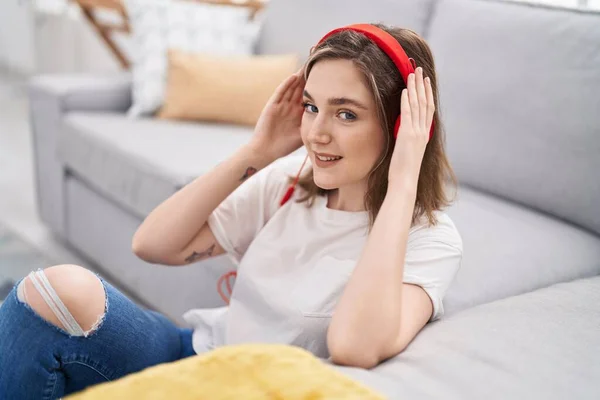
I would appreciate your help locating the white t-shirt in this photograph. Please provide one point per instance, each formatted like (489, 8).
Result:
(294, 262)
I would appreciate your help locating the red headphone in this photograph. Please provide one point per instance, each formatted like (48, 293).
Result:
(394, 50)
(405, 65)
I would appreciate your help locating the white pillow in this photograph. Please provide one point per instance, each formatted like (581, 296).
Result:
(158, 25)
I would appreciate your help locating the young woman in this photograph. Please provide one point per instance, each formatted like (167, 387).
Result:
(351, 267)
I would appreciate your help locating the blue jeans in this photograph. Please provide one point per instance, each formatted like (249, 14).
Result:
(39, 360)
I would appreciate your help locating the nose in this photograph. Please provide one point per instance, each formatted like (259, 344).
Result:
(319, 131)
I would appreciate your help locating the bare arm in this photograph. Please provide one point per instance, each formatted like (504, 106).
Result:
(176, 232)
(378, 315)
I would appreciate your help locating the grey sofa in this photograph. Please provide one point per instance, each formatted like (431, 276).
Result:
(520, 97)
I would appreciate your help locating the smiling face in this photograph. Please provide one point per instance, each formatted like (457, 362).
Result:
(340, 119)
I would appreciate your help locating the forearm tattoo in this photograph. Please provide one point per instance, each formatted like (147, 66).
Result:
(195, 256)
(249, 172)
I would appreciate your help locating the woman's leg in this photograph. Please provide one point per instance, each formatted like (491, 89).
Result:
(70, 329)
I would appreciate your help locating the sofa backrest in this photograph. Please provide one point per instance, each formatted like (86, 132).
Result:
(295, 26)
(520, 98)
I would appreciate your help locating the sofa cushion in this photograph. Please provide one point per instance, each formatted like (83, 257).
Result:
(540, 345)
(214, 88)
(293, 26)
(510, 249)
(160, 25)
(141, 162)
(519, 91)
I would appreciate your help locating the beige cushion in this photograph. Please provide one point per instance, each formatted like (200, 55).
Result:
(231, 89)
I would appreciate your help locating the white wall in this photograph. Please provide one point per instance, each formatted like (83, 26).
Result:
(17, 22)
(66, 43)
(49, 39)
(582, 4)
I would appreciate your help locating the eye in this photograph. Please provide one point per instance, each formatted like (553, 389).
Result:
(306, 104)
(349, 116)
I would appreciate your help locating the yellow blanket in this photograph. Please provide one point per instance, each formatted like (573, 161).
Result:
(247, 372)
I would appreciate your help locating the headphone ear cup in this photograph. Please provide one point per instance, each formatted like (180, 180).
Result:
(413, 63)
(396, 127)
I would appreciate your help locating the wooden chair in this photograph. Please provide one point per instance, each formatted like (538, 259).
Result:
(90, 7)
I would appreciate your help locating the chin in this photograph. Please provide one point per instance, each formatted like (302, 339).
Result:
(326, 186)
(326, 182)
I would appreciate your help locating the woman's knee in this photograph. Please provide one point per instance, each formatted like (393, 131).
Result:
(79, 289)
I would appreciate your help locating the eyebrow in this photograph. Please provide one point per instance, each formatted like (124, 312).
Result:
(338, 101)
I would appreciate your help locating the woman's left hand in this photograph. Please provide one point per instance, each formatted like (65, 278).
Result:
(416, 109)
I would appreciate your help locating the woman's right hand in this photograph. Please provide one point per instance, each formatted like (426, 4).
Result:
(277, 132)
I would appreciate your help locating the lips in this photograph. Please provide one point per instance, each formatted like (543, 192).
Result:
(327, 156)
(329, 160)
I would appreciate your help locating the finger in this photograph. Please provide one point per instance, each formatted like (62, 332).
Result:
(296, 94)
(405, 109)
(282, 89)
(291, 92)
(296, 99)
(413, 99)
(301, 76)
(299, 92)
(297, 85)
(287, 96)
(422, 99)
(430, 103)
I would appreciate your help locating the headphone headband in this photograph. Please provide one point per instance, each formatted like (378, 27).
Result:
(385, 42)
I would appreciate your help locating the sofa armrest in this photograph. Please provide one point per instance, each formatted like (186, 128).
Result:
(111, 93)
(51, 97)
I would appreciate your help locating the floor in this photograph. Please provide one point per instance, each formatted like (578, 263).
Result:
(25, 242)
